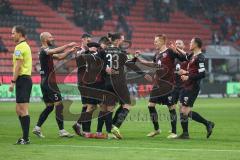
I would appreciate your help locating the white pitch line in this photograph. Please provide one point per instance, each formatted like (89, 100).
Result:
(145, 148)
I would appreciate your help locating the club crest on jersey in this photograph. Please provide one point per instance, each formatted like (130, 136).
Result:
(164, 55)
(185, 99)
(17, 53)
(169, 98)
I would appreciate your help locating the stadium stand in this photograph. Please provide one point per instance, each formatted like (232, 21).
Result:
(39, 17)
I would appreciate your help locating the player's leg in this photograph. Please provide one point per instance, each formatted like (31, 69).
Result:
(42, 118)
(24, 118)
(23, 92)
(88, 119)
(60, 118)
(184, 111)
(173, 119)
(120, 119)
(172, 101)
(119, 109)
(77, 127)
(154, 118)
(101, 120)
(153, 100)
(197, 117)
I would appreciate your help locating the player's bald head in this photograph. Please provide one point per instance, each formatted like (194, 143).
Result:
(44, 36)
(180, 44)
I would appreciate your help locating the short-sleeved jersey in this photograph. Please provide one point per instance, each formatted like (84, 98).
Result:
(47, 65)
(23, 52)
(81, 65)
(166, 62)
(93, 68)
(116, 59)
(196, 69)
(177, 78)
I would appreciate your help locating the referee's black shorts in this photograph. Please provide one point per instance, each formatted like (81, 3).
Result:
(23, 88)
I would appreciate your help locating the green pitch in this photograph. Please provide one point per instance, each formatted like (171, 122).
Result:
(223, 145)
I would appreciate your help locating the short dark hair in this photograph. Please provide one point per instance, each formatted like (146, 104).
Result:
(86, 35)
(20, 29)
(198, 41)
(114, 36)
(104, 40)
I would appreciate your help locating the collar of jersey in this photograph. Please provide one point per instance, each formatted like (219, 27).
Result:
(22, 41)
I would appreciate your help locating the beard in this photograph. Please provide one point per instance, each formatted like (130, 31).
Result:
(51, 43)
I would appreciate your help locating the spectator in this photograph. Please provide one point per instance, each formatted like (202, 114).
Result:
(2, 47)
(236, 36)
(216, 39)
(5, 7)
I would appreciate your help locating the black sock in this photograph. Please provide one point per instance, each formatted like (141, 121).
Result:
(25, 126)
(43, 116)
(20, 120)
(59, 116)
(101, 118)
(154, 117)
(184, 122)
(198, 118)
(173, 118)
(86, 123)
(121, 117)
(80, 119)
(108, 121)
(116, 114)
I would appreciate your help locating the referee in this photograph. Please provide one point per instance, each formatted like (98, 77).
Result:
(22, 68)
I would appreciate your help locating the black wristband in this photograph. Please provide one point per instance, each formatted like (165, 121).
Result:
(13, 81)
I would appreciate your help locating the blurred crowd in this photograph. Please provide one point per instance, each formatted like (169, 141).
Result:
(5, 7)
(54, 4)
(220, 13)
(92, 14)
(158, 10)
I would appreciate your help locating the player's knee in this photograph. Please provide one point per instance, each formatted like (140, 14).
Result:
(110, 108)
(185, 110)
(127, 106)
(58, 103)
(173, 107)
(150, 104)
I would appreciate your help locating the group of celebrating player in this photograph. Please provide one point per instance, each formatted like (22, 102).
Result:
(102, 82)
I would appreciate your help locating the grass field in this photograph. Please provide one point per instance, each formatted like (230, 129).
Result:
(223, 145)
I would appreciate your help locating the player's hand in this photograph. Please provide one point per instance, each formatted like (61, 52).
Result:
(182, 72)
(11, 88)
(173, 47)
(184, 78)
(137, 53)
(72, 44)
(148, 78)
(181, 51)
(108, 70)
(74, 49)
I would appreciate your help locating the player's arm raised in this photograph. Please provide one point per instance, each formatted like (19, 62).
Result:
(61, 56)
(143, 61)
(60, 49)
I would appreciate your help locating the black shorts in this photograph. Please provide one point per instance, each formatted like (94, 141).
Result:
(188, 97)
(161, 97)
(176, 95)
(93, 93)
(23, 89)
(50, 91)
(81, 91)
(116, 93)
